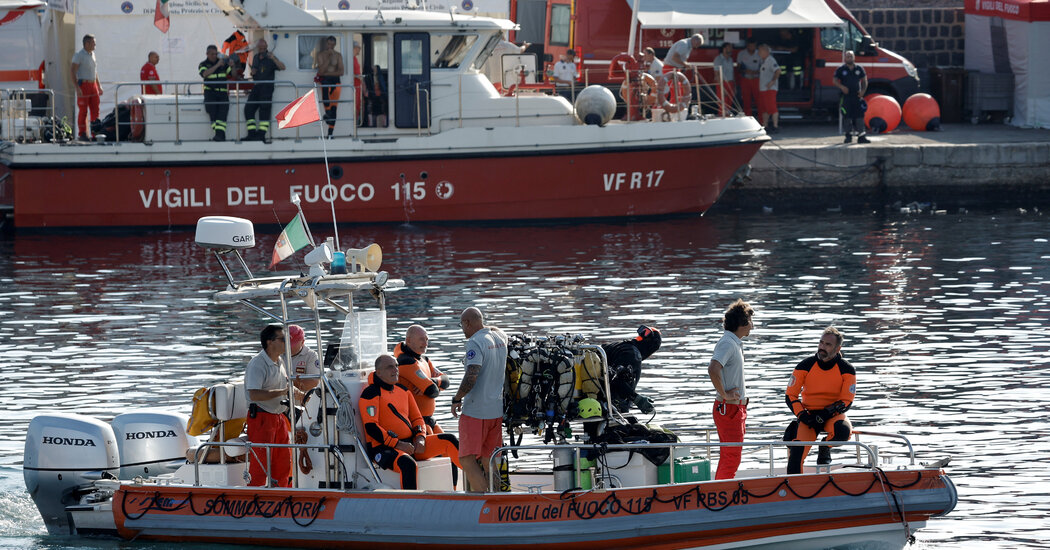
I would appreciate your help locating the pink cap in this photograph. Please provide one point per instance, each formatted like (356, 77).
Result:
(296, 335)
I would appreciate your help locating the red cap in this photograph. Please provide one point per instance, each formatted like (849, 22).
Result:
(296, 335)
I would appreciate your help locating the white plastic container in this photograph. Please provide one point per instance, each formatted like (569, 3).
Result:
(627, 469)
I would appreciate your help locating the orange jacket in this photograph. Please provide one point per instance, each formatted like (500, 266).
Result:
(419, 375)
(821, 384)
(388, 413)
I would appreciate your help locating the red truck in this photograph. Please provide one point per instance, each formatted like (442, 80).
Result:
(809, 53)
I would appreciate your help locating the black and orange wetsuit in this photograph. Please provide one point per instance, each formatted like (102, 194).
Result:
(419, 375)
(389, 414)
(819, 394)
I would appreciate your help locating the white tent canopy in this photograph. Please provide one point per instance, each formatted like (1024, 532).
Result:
(1013, 36)
(734, 14)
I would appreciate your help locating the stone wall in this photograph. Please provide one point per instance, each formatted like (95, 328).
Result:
(926, 36)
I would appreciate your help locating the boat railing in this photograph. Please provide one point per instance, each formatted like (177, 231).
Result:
(863, 449)
(331, 452)
(19, 110)
(710, 435)
(235, 88)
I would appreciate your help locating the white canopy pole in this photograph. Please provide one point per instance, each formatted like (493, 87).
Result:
(634, 28)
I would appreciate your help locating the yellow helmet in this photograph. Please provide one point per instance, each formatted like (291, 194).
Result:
(589, 408)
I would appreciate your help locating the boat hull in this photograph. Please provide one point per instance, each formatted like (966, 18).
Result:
(776, 512)
(582, 183)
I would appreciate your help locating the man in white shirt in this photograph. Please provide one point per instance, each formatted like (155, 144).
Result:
(749, 61)
(727, 376)
(565, 74)
(678, 55)
(768, 84)
(479, 402)
(653, 66)
(724, 70)
(86, 84)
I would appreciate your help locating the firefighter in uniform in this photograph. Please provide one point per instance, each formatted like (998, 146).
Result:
(264, 68)
(394, 429)
(216, 96)
(819, 393)
(419, 375)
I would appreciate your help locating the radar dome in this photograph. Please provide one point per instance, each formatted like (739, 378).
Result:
(595, 105)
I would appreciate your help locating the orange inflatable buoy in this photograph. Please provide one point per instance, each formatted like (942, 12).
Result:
(921, 112)
(883, 114)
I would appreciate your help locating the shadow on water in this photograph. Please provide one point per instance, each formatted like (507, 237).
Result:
(947, 321)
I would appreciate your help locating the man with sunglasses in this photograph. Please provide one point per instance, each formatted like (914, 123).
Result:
(266, 383)
(727, 376)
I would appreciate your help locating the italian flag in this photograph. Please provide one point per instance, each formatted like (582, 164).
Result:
(161, 20)
(292, 238)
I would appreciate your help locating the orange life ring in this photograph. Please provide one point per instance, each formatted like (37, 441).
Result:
(622, 63)
(679, 93)
(138, 118)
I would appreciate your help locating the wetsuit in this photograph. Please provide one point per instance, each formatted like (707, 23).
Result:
(389, 414)
(625, 366)
(419, 375)
(819, 394)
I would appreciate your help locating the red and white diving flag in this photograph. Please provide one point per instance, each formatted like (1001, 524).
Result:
(301, 111)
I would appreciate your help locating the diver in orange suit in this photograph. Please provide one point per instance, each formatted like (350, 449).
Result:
(394, 429)
(419, 375)
(827, 384)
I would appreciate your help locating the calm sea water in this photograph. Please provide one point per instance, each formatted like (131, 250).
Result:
(946, 320)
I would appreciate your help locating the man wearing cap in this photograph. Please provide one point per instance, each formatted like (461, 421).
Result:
(266, 383)
(305, 362)
(565, 74)
(727, 376)
(625, 368)
(678, 55)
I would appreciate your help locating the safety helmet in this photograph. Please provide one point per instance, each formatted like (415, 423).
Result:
(589, 408)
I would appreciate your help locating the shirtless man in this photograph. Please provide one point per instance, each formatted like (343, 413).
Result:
(329, 70)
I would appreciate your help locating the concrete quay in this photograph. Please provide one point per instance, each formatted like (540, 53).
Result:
(962, 166)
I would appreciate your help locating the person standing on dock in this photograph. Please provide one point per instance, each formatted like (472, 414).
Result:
(727, 83)
(266, 383)
(827, 384)
(264, 69)
(417, 373)
(768, 85)
(88, 88)
(480, 398)
(749, 61)
(851, 79)
(727, 376)
(216, 72)
(148, 73)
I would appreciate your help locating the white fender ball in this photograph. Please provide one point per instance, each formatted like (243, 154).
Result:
(595, 105)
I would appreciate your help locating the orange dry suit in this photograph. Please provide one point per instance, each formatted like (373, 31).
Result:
(827, 390)
(419, 375)
(389, 414)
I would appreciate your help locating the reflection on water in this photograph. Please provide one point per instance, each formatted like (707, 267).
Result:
(946, 320)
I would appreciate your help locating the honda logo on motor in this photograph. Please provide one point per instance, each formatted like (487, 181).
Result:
(149, 435)
(73, 441)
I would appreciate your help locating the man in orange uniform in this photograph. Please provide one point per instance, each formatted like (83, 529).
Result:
(827, 384)
(394, 429)
(417, 373)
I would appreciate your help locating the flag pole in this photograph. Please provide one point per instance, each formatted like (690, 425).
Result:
(302, 219)
(328, 175)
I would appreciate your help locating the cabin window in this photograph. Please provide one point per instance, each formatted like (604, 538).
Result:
(450, 49)
(309, 47)
(486, 51)
(560, 25)
(412, 57)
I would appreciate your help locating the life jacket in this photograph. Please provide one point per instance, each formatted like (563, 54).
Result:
(388, 413)
(410, 366)
(201, 419)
